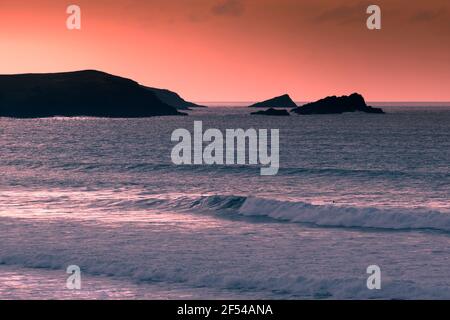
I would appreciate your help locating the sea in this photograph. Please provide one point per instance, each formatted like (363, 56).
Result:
(353, 191)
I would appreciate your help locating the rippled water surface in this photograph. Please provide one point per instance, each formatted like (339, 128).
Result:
(353, 190)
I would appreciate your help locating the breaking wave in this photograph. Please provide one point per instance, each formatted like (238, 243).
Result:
(325, 215)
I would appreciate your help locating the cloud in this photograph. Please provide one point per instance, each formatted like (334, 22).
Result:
(429, 15)
(437, 21)
(229, 8)
(344, 14)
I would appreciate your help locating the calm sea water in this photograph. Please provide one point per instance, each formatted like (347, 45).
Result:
(353, 190)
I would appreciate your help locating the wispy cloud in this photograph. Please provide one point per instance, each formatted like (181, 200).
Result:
(429, 15)
(229, 8)
(343, 14)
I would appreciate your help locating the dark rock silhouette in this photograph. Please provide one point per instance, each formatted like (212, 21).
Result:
(283, 101)
(337, 105)
(271, 112)
(80, 93)
(173, 99)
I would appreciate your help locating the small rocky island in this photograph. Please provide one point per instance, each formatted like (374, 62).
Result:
(338, 105)
(271, 112)
(283, 101)
(81, 93)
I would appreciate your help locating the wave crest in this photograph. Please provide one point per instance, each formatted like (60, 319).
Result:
(327, 215)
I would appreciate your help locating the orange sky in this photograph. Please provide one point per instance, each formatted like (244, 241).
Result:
(240, 50)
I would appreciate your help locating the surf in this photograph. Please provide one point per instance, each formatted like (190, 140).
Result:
(320, 215)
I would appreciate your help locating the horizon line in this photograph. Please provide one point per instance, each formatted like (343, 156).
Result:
(385, 101)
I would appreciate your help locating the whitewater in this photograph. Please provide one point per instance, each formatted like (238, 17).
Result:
(352, 191)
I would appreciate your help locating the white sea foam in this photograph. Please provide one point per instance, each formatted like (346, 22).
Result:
(148, 257)
(336, 216)
(320, 215)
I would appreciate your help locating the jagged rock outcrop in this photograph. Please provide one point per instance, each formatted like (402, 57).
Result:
(336, 105)
(174, 99)
(283, 101)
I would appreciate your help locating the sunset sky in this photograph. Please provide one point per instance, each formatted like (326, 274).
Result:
(240, 50)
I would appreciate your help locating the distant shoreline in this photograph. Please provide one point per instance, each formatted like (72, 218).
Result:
(213, 104)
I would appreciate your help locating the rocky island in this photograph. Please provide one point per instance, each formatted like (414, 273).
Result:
(81, 93)
(336, 105)
(283, 101)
